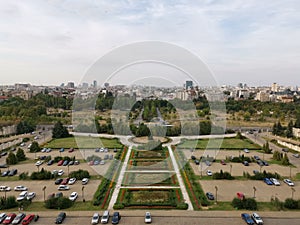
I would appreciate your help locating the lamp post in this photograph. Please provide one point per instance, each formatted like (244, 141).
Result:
(44, 190)
(293, 190)
(200, 168)
(254, 190)
(38, 167)
(216, 194)
(260, 166)
(83, 194)
(68, 170)
(230, 168)
(290, 171)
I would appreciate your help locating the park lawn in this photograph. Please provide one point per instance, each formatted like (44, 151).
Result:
(166, 179)
(84, 142)
(228, 143)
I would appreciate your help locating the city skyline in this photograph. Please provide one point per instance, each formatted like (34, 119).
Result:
(54, 42)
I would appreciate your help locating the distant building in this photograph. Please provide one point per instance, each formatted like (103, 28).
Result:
(85, 85)
(274, 87)
(262, 96)
(188, 84)
(95, 84)
(71, 85)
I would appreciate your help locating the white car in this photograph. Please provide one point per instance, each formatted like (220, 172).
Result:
(246, 150)
(20, 188)
(85, 181)
(5, 188)
(95, 218)
(22, 196)
(288, 182)
(63, 188)
(31, 195)
(105, 217)
(148, 218)
(2, 217)
(73, 196)
(275, 181)
(72, 181)
(60, 172)
(257, 219)
(209, 173)
(38, 163)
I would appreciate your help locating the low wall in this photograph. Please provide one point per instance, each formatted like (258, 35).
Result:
(289, 145)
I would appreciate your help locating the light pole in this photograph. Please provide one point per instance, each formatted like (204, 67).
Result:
(216, 194)
(254, 190)
(293, 190)
(68, 170)
(201, 168)
(230, 168)
(38, 166)
(260, 166)
(290, 171)
(83, 194)
(44, 190)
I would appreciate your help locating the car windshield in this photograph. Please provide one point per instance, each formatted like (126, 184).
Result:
(148, 216)
(95, 217)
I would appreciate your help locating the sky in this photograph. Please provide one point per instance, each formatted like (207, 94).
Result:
(47, 42)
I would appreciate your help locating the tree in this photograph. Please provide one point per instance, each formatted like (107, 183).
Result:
(59, 131)
(11, 159)
(289, 130)
(266, 148)
(20, 155)
(285, 160)
(297, 122)
(25, 127)
(35, 147)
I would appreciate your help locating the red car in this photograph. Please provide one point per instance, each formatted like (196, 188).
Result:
(223, 162)
(28, 219)
(10, 217)
(71, 150)
(65, 181)
(240, 195)
(60, 162)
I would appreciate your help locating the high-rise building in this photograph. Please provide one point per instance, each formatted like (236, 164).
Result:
(188, 84)
(71, 85)
(95, 84)
(274, 87)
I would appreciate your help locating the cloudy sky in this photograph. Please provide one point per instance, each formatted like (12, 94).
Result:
(55, 41)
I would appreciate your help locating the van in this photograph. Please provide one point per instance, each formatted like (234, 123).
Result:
(105, 217)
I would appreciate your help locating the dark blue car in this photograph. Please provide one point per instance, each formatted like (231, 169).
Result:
(247, 218)
(268, 181)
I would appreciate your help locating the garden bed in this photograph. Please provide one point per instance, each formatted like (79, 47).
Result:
(153, 179)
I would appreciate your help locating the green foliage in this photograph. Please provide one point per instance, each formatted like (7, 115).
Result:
(290, 203)
(8, 203)
(222, 175)
(25, 127)
(59, 131)
(35, 147)
(58, 203)
(266, 148)
(278, 129)
(25, 139)
(239, 136)
(246, 203)
(283, 158)
(151, 145)
(261, 176)
(11, 159)
(80, 174)
(42, 175)
(20, 155)
(24, 176)
(289, 130)
(118, 206)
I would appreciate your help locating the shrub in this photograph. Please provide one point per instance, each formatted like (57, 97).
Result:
(80, 174)
(42, 175)
(222, 175)
(24, 176)
(58, 203)
(11, 159)
(291, 204)
(8, 203)
(119, 206)
(246, 203)
(20, 155)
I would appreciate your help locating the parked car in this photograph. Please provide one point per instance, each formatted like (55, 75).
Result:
(267, 181)
(296, 155)
(5, 173)
(28, 219)
(285, 150)
(246, 150)
(95, 218)
(22, 196)
(66, 162)
(85, 181)
(38, 163)
(2, 217)
(209, 173)
(288, 182)
(256, 157)
(65, 181)
(247, 218)
(71, 150)
(58, 181)
(52, 195)
(76, 162)
(63, 188)
(58, 195)
(116, 218)
(60, 218)
(105, 217)
(265, 163)
(260, 163)
(245, 163)
(5, 188)
(20, 188)
(30, 195)
(240, 195)
(73, 196)
(71, 163)
(13, 172)
(18, 218)
(50, 162)
(193, 157)
(223, 162)
(197, 162)
(257, 219)
(148, 218)
(9, 218)
(208, 163)
(72, 181)
(61, 150)
(210, 196)
(275, 181)
(60, 172)
(255, 171)
(111, 157)
(60, 162)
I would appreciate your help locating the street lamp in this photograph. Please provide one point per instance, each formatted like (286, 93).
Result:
(290, 171)
(68, 170)
(293, 190)
(254, 190)
(83, 194)
(216, 194)
(38, 166)
(201, 168)
(44, 190)
(260, 166)
(230, 168)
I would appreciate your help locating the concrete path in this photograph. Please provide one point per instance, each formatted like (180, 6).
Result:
(120, 179)
(180, 180)
(150, 171)
(151, 187)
